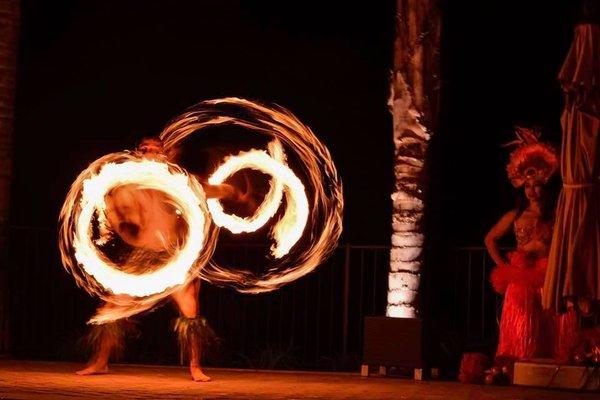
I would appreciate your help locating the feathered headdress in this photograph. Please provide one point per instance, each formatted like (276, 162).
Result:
(532, 160)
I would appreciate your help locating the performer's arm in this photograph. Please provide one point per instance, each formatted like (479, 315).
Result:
(500, 229)
(221, 191)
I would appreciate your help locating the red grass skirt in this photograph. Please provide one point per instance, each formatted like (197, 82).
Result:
(526, 330)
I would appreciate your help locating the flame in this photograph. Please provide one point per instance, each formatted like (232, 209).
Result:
(318, 219)
(150, 175)
(268, 207)
(100, 276)
(289, 229)
(321, 211)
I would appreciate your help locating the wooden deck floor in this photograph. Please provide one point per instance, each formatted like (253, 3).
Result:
(56, 380)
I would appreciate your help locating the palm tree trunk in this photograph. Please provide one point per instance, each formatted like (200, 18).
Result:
(9, 32)
(413, 104)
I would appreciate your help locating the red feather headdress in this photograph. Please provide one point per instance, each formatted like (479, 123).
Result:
(532, 160)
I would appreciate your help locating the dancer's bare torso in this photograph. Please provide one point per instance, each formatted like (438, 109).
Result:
(144, 218)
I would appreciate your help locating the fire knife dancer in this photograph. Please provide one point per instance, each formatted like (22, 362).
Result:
(142, 218)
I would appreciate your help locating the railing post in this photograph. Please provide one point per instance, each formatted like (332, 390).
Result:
(345, 302)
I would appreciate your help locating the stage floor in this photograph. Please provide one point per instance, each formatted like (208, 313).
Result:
(56, 380)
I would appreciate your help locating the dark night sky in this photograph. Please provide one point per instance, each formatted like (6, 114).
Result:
(96, 75)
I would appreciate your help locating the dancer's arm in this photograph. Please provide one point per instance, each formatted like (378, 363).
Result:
(222, 191)
(501, 228)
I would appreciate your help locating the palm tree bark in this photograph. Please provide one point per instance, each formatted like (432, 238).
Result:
(413, 103)
(9, 32)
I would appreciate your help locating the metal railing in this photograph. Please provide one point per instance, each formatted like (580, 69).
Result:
(477, 307)
(315, 322)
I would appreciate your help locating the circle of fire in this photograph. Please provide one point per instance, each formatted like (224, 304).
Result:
(318, 220)
(92, 269)
(289, 230)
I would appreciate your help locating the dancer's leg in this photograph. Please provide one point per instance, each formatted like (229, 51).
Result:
(188, 328)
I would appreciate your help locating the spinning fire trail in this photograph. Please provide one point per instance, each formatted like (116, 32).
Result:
(175, 223)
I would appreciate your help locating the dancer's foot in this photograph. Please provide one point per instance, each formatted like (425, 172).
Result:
(198, 375)
(94, 369)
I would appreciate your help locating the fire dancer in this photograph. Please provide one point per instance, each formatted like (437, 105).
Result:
(142, 218)
(170, 232)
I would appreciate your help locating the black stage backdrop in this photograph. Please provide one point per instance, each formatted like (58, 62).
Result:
(95, 76)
